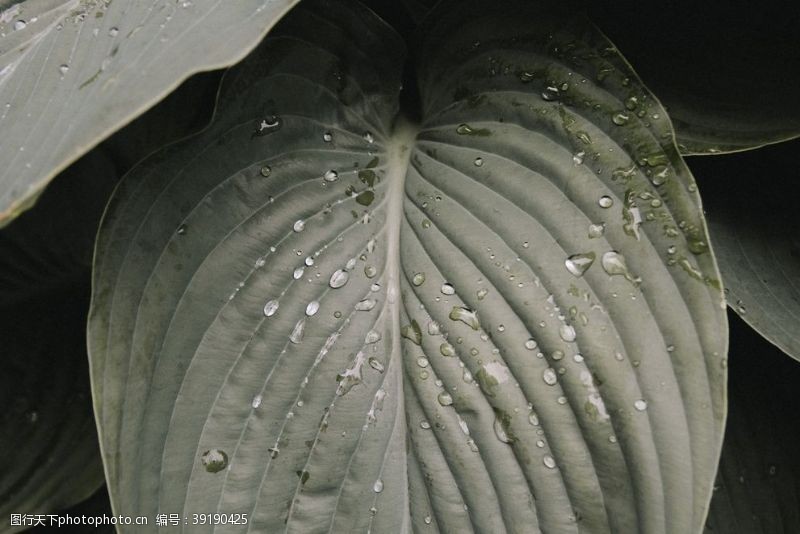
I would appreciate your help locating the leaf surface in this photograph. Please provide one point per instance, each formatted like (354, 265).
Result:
(71, 73)
(323, 315)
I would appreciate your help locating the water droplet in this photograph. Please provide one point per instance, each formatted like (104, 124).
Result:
(605, 201)
(267, 126)
(596, 230)
(550, 93)
(370, 271)
(418, 279)
(298, 273)
(312, 308)
(448, 289)
(466, 316)
(373, 336)
(612, 438)
(270, 308)
(327, 137)
(331, 176)
(427, 519)
(445, 399)
(533, 419)
(256, 402)
(299, 330)
(614, 264)
(366, 305)
(113, 32)
(640, 405)
(567, 332)
(434, 328)
(299, 225)
(182, 229)
(375, 364)
(412, 332)
(531, 344)
(378, 486)
(500, 432)
(549, 376)
(423, 362)
(478, 162)
(447, 349)
(481, 293)
(309, 261)
(578, 264)
(63, 69)
(424, 424)
(549, 462)
(214, 460)
(621, 118)
(339, 279)
(368, 137)
(426, 223)
(20, 24)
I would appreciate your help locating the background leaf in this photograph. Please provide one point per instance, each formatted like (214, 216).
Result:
(752, 218)
(300, 316)
(757, 490)
(71, 73)
(726, 73)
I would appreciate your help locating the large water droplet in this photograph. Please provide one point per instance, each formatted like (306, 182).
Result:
(271, 307)
(298, 273)
(312, 308)
(299, 225)
(605, 201)
(549, 376)
(412, 332)
(256, 402)
(549, 462)
(578, 264)
(500, 432)
(466, 316)
(378, 486)
(214, 460)
(20, 24)
(331, 176)
(567, 332)
(614, 264)
(448, 289)
(447, 349)
(299, 330)
(445, 399)
(339, 279)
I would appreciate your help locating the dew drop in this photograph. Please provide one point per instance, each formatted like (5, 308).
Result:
(418, 279)
(331, 176)
(567, 332)
(549, 462)
(481, 293)
(446, 349)
(620, 118)
(63, 69)
(298, 273)
(312, 308)
(640, 405)
(577, 158)
(373, 336)
(214, 460)
(448, 289)
(327, 137)
(425, 425)
(375, 364)
(434, 328)
(478, 162)
(466, 316)
(500, 432)
(339, 279)
(265, 171)
(299, 330)
(549, 376)
(267, 126)
(531, 344)
(596, 230)
(578, 264)
(182, 229)
(256, 402)
(422, 362)
(550, 93)
(412, 332)
(366, 305)
(20, 24)
(113, 32)
(368, 137)
(271, 307)
(299, 225)
(378, 486)
(605, 201)
(370, 271)
(445, 399)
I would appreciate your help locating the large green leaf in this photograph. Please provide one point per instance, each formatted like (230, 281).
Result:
(72, 72)
(50, 457)
(727, 72)
(752, 220)
(322, 315)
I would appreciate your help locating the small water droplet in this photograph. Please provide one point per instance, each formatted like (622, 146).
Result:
(256, 402)
(422, 362)
(214, 460)
(299, 330)
(448, 289)
(549, 462)
(533, 419)
(577, 158)
(368, 137)
(370, 271)
(312, 308)
(366, 305)
(640, 405)
(418, 279)
(434, 328)
(447, 349)
(578, 264)
(424, 424)
(466, 316)
(614, 264)
(373, 336)
(63, 69)
(620, 118)
(299, 225)
(531, 344)
(271, 307)
(378, 486)
(481, 293)
(605, 201)
(20, 24)
(549, 376)
(331, 176)
(567, 332)
(596, 230)
(550, 93)
(182, 229)
(327, 137)
(113, 32)
(339, 279)
(500, 432)
(412, 332)
(445, 399)
(375, 364)
(267, 126)
(298, 273)
(309, 261)
(478, 162)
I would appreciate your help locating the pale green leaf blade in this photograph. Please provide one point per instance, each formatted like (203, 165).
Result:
(755, 236)
(309, 316)
(71, 73)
